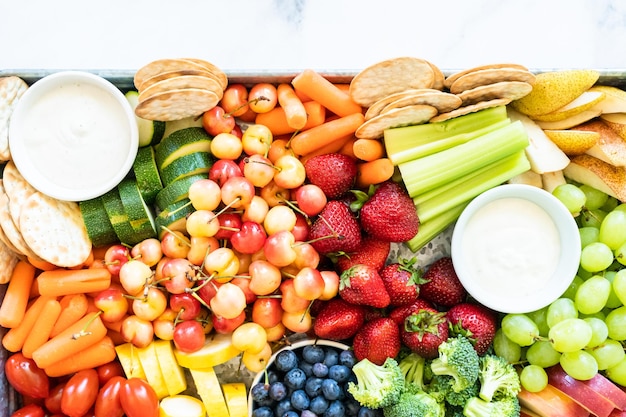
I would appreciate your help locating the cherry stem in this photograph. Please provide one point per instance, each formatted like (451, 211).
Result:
(178, 236)
(83, 331)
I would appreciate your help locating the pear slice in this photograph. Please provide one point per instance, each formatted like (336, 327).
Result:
(614, 99)
(551, 180)
(573, 142)
(610, 147)
(554, 89)
(586, 169)
(570, 122)
(617, 122)
(581, 103)
(529, 177)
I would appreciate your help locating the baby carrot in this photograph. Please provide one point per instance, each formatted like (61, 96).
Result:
(14, 339)
(303, 97)
(276, 119)
(73, 308)
(325, 92)
(348, 148)
(93, 356)
(332, 147)
(41, 264)
(309, 140)
(292, 105)
(84, 333)
(374, 172)
(73, 281)
(40, 332)
(368, 149)
(17, 294)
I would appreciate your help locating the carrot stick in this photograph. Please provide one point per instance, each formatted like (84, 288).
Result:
(14, 339)
(347, 148)
(17, 294)
(345, 87)
(332, 147)
(93, 356)
(326, 93)
(303, 97)
(374, 172)
(276, 119)
(292, 105)
(40, 332)
(73, 281)
(309, 140)
(368, 149)
(74, 307)
(84, 333)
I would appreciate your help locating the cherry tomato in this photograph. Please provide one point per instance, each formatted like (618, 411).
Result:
(30, 410)
(109, 370)
(139, 399)
(108, 401)
(53, 400)
(26, 377)
(80, 393)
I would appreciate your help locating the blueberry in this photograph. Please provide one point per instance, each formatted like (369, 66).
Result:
(347, 358)
(352, 407)
(295, 378)
(320, 370)
(282, 407)
(319, 405)
(313, 386)
(290, 413)
(368, 412)
(331, 389)
(286, 360)
(339, 373)
(260, 392)
(277, 391)
(313, 353)
(263, 412)
(272, 376)
(335, 409)
(332, 357)
(307, 413)
(306, 367)
(299, 400)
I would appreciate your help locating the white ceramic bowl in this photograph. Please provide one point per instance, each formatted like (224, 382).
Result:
(73, 135)
(516, 248)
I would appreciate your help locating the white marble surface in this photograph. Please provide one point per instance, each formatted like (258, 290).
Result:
(321, 34)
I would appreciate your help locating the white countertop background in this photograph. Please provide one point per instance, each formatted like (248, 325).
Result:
(266, 35)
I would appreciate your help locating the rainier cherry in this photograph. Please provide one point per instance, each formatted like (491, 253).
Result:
(148, 251)
(113, 304)
(216, 121)
(164, 325)
(189, 336)
(205, 194)
(235, 99)
(229, 301)
(278, 248)
(265, 278)
(226, 146)
(258, 169)
(249, 337)
(225, 325)
(115, 256)
(137, 331)
(177, 275)
(267, 311)
(257, 139)
(150, 306)
(279, 218)
(310, 199)
(249, 239)
(135, 276)
(290, 172)
(175, 244)
(257, 361)
(223, 169)
(262, 97)
(222, 264)
(237, 192)
(202, 223)
(256, 210)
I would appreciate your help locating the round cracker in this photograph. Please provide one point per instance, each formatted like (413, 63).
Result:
(376, 108)
(3, 237)
(443, 102)
(11, 90)
(11, 230)
(511, 90)
(388, 77)
(212, 68)
(177, 104)
(490, 76)
(182, 82)
(172, 74)
(55, 230)
(164, 65)
(439, 77)
(16, 188)
(470, 109)
(8, 260)
(453, 77)
(375, 127)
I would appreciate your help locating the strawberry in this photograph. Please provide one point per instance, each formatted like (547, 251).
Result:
(338, 320)
(334, 173)
(335, 229)
(441, 284)
(402, 281)
(362, 285)
(372, 251)
(476, 322)
(389, 213)
(377, 340)
(399, 314)
(424, 331)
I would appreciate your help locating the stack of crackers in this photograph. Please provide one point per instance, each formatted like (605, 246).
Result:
(409, 91)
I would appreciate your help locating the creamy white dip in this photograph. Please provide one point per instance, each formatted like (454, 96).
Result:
(511, 246)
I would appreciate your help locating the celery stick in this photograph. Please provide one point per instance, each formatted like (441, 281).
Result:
(432, 171)
(428, 230)
(400, 139)
(498, 172)
(438, 145)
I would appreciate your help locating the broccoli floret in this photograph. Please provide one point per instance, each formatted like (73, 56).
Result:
(412, 367)
(458, 359)
(454, 411)
(440, 387)
(415, 402)
(377, 386)
(498, 378)
(477, 407)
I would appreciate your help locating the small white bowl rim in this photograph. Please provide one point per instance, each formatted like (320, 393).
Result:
(18, 152)
(568, 262)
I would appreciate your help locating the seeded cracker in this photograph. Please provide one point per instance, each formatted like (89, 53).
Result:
(162, 66)
(453, 77)
(212, 68)
(511, 90)
(443, 102)
(3, 237)
(11, 230)
(470, 109)
(177, 104)
(17, 189)
(181, 82)
(376, 108)
(490, 76)
(11, 90)
(404, 116)
(54, 230)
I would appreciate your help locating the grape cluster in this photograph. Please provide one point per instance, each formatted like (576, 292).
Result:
(583, 330)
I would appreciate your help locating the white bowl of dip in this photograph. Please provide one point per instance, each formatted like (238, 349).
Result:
(73, 135)
(515, 248)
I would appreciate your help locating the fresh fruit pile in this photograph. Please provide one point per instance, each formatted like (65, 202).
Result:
(270, 210)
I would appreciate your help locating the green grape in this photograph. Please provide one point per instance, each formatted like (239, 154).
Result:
(620, 254)
(620, 206)
(570, 292)
(617, 373)
(570, 335)
(540, 319)
(542, 353)
(609, 354)
(588, 234)
(613, 229)
(599, 331)
(572, 197)
(533, 378)
(592, 218)
(579, 365)
(619, 285)
(520, 329)
(505, 348)
(613, 301)
(595, 198)
(616, 323)
(583, 274)
(611, 204)
(560, 309)
(596, 257)
(592, 295)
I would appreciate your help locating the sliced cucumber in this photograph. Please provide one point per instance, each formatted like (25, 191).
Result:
(150, 131)
(176, 191)
(174, 125)
(139, 214)
(186, 165)
(147, 174)
(180, 143)
(174, 217)
(117, 216)
(96, 219)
